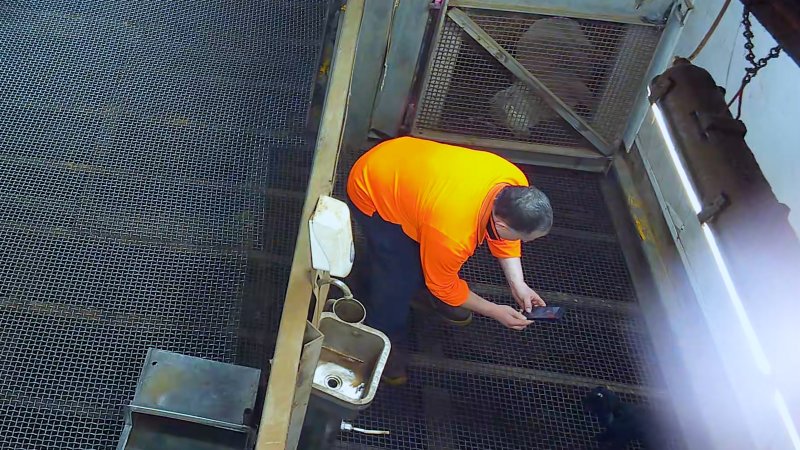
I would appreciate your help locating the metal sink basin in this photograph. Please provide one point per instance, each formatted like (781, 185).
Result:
(350, 364)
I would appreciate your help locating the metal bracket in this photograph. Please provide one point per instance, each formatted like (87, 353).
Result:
(683, 8)
(659, 88)
(663, 18)
(721, 123)
(518, 70)
(710, 210)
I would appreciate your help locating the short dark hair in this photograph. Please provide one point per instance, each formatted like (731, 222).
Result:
(524, 208)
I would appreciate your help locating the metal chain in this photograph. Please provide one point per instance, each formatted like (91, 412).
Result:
(749, 46)
(756, 65)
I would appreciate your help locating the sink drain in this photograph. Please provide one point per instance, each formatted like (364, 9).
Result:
(333, 382)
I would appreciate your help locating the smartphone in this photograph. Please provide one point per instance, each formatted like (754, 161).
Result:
(545, 313)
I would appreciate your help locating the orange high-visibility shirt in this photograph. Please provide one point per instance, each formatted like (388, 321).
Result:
(442, 197)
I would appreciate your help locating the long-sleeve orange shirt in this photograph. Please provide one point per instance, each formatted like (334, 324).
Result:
(442, 197)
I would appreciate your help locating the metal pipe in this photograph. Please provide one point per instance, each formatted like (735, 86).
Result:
(346, 426)
(338, 283)
(735, 198)
(746, 236)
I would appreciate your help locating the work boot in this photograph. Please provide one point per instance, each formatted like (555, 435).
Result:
(454, 315)
(395, 372)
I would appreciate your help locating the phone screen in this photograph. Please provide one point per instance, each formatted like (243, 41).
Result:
(545, 313)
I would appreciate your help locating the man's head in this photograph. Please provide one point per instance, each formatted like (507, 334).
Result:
(522, 212)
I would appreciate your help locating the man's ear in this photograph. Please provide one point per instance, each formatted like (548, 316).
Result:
(499, 223)
(503, 230)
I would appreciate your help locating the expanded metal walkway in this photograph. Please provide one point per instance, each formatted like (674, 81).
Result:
(150, 154)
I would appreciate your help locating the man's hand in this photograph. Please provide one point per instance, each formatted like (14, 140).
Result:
(526, 297)
(509, 317)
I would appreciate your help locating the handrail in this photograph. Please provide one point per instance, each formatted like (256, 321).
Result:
(274, 429)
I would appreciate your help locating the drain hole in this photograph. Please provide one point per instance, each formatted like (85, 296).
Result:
(333, 382)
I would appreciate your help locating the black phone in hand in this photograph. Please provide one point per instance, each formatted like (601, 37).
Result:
(545, 313)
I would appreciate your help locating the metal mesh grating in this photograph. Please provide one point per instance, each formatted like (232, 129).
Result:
(563, 264)
(482, 412)
(586, 261)
(401, 412)
(596, 67)
(151, 154)
(90, 307)
(605, 346)
(575, 197)
(259, 319)
(161, 210)
(50, 425)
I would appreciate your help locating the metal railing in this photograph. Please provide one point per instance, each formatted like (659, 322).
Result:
(278, 430)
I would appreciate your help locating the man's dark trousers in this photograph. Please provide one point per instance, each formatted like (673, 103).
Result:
(393, 274)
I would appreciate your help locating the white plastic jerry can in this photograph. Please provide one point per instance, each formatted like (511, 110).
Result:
(332, 247)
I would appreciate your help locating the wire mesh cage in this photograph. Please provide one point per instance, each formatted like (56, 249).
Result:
(595, 67)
